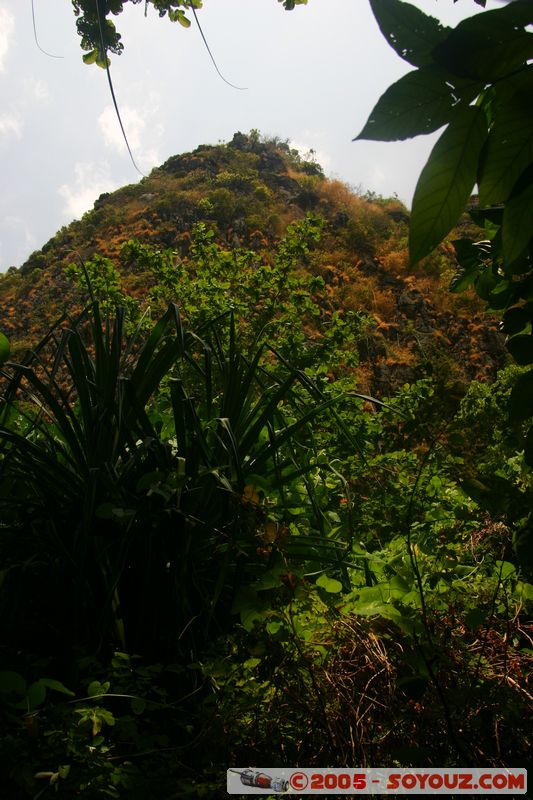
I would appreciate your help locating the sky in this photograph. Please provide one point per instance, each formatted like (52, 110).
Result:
(312, 75)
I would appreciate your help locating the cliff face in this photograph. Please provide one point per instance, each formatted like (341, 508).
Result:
(247, 192)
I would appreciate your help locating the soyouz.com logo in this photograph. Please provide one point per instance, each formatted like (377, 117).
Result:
(409, 780)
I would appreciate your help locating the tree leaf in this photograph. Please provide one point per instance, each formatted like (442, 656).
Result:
(96, 688)
(289, 5)
(90, 58)
(329, 584)
(505, 569)
(521, 348)
(470, 256)
(36, 695)
(475, 618)
(410, 32)
(103, 62)
(516, 319)
(517, 229)
(485, 284)
(182, 19)
(509, 148)
(502, 295)
(138, 705)
(489, 46)
(420, 102)
(520, 404)
(178, 15)
(57, 686)
(12, 682)
(446, 181)
(524, 590)
(398, 587)
(462, 280)
(4, 348)
(385, 610)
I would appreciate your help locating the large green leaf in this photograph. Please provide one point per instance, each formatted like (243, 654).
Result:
(486, 283)
(446, 181)
(509, 148)
(90, 58)
(4, 348)
(410, 32)
(12, 682)
(517, 228)
(330, 585)
(471, 257)
(178, 15)
(516, 319)
(520, 405)
(57, 686)
(420, 102)
(35, 696)
(491, 45)
(521, 348)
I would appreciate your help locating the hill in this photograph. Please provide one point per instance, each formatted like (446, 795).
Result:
(347, 260)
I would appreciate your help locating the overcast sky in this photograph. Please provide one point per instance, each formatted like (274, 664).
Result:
(313, 76)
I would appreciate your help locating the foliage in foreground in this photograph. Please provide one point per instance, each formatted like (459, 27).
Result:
(140, 465)
(313, 682)
(262, 572)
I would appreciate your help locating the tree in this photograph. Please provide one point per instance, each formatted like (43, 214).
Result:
(477, 80)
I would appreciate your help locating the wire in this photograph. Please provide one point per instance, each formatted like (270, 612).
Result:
(240, 88)
(50, 55)
(111, 89)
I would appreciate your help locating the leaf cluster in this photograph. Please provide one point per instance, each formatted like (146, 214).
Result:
(474, 80)
(99, 35)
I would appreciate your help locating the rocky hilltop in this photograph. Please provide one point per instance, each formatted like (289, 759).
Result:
(245, 194)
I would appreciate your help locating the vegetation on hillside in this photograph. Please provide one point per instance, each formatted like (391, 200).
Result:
(217, 548)
(222, 218)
